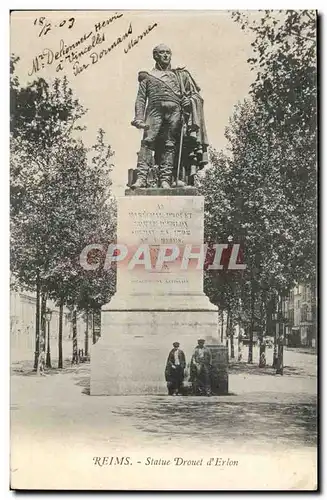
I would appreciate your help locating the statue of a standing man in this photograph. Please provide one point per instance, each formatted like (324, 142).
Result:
(170, 110)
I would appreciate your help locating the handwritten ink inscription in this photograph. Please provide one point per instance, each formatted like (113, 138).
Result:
(46, 25)
(85, 51)
(135, 41)
(66, 53)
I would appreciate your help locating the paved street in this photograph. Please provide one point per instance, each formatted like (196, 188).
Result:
(261, 407)
(264, 413)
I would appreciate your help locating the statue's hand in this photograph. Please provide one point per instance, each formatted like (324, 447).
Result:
(185, 102)
(139, 124)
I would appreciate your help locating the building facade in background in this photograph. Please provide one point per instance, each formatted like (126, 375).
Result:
(22, 327)
(301, 316)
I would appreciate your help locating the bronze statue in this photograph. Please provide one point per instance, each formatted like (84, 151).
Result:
(169, 109)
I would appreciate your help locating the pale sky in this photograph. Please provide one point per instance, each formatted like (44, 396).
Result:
(209, 44)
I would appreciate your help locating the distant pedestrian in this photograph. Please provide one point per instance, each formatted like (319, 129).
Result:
(174, 372)
(262, 361)
(200, 369)
(41, 364)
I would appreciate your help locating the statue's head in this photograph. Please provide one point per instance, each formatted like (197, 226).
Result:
(162, 55)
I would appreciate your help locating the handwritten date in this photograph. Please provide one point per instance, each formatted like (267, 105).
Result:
(45, 25)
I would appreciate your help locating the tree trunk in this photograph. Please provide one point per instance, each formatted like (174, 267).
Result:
(276, 338)
(225, 334)
(314, 338)
(250, 355)
(280, 351)
(99, 321)
(232, 349)
(37, 324)
(228, 339)
(275, 353)
(43, 321)
(263, 333)
(86, 340)
(61, 318)
(48, 358)
(280, 354)
(75, 352)
(94, 338)
(240, 345)
(222, 327)
(231, 334)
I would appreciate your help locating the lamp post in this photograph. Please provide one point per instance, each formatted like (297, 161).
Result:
(48, 316)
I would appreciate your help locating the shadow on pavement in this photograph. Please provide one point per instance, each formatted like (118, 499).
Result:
(253, 369)
(226, 421)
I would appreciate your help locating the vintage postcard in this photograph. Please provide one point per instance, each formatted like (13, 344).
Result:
(163, 320)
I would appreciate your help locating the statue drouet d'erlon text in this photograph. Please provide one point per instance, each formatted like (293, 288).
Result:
(169, 109)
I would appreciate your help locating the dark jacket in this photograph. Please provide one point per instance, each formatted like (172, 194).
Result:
(171, 362)
(206, 359)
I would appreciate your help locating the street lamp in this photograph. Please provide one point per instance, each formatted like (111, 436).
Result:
(48, 316)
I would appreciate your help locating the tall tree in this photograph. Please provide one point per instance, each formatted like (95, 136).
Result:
(285, 94)
(89, 217)
(43, 119)
(263, 191)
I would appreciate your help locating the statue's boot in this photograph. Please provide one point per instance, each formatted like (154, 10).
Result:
(179, 183)
(166, 168)
(139, 183)
(143, 165)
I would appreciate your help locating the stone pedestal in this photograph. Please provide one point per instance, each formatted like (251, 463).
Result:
(152, 309)
(219, 369)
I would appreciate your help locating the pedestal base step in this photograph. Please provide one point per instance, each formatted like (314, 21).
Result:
(131, 355)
